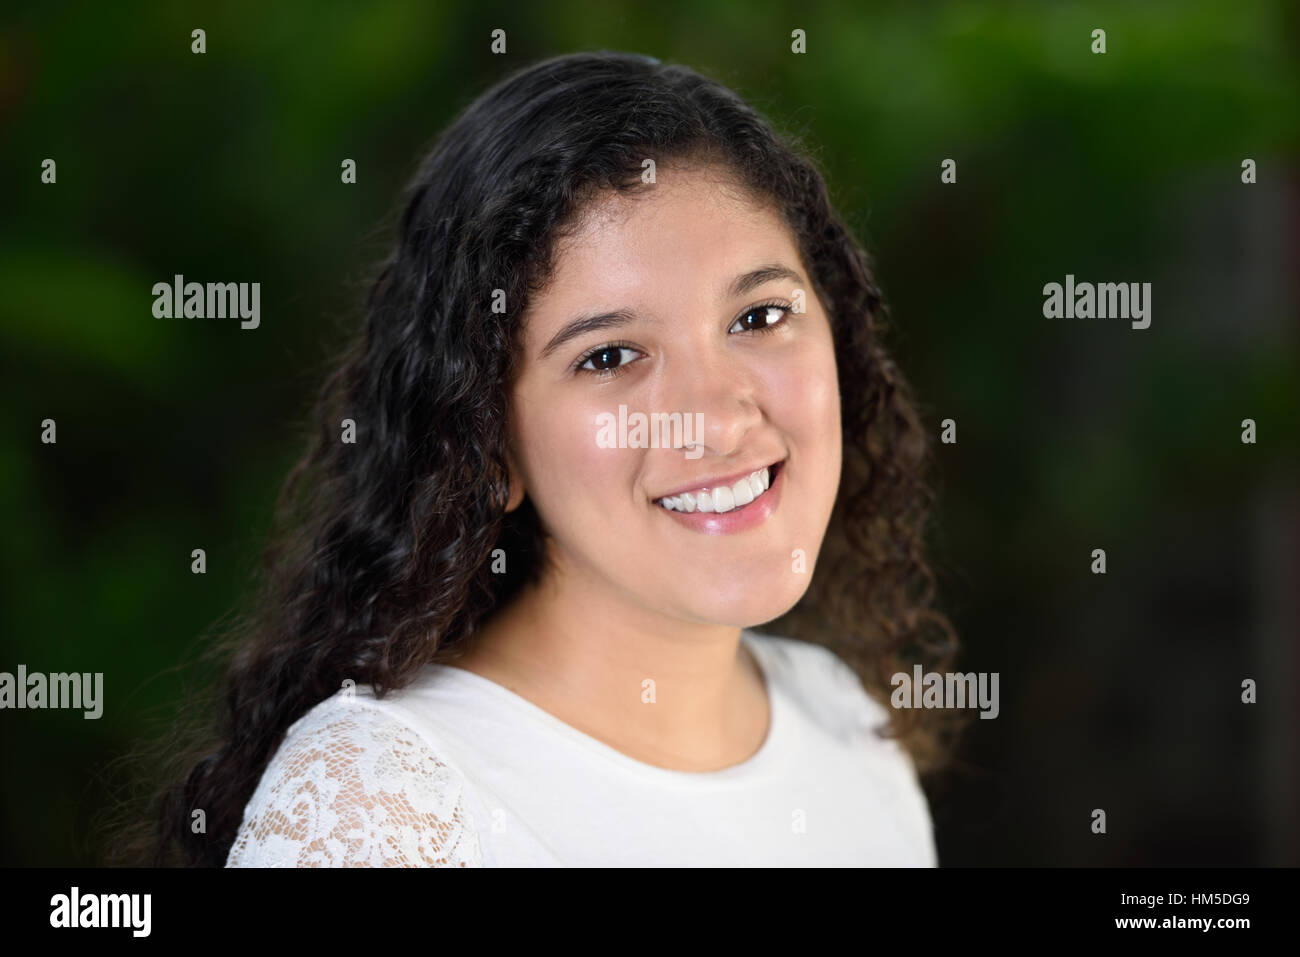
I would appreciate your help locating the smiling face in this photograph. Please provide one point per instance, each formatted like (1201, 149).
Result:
(703, 284)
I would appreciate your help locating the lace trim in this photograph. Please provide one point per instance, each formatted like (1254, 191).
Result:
(351, 786)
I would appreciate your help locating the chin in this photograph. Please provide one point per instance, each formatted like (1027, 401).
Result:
(748, 607)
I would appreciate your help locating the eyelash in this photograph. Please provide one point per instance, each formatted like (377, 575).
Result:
(611, 346)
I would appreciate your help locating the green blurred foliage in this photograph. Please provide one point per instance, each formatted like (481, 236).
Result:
(176, 434)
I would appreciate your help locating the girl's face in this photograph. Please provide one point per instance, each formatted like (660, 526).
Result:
(695, 286)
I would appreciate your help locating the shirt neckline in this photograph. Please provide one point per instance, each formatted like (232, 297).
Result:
(743, 772)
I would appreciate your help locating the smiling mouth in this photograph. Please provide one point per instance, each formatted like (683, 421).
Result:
(724, 498)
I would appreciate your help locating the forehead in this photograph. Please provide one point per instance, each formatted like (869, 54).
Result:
(687, 235)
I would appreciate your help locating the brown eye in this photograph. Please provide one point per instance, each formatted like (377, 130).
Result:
(760, 318)
(607, 359)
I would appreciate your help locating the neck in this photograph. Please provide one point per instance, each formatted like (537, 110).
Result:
(671, 693)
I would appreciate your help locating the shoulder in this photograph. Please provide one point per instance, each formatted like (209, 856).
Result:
(829, 692)
(354, 783)
(824, 685)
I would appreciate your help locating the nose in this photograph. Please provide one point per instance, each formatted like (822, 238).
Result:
(716, 385)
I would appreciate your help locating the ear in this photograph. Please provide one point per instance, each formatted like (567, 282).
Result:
(516, 495)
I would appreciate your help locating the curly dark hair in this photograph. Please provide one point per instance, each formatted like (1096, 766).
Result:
(379, 561)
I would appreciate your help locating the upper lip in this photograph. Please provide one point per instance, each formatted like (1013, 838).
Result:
(716, 481)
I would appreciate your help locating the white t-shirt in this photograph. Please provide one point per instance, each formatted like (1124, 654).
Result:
(457, 770)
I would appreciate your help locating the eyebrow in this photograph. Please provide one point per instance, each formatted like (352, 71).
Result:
(739, 286)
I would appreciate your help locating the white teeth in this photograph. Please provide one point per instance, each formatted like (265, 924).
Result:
(724, 498)
(742, 492)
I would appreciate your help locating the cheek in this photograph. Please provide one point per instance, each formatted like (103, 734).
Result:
(567, 473)
(806, 397)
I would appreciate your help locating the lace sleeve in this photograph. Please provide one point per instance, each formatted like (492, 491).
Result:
(351, 786)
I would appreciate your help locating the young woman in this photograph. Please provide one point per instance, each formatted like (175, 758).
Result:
(504, 625)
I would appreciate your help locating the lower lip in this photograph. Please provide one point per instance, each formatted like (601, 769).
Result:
(738, 519)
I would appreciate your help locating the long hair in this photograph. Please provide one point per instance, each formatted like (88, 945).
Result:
(380, 553)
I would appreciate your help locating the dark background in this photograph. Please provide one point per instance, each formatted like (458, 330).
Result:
(1119, 691)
